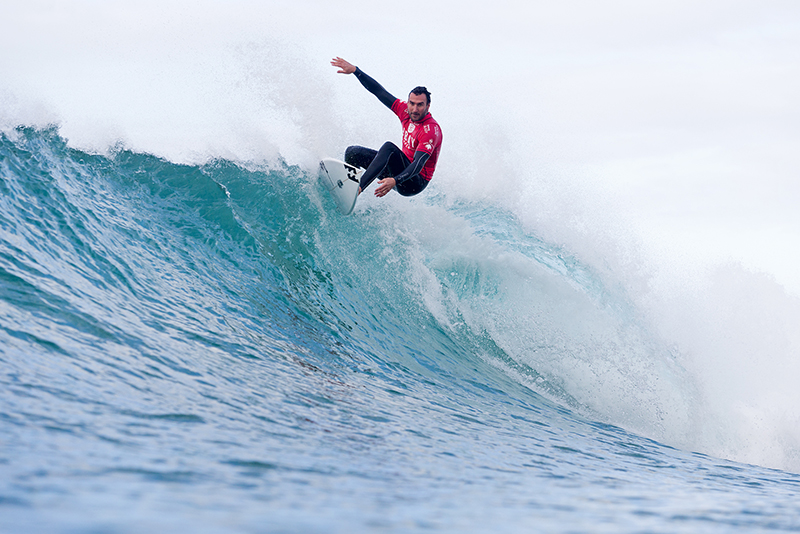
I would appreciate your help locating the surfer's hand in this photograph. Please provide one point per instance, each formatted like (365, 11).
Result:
(344, 66)
(387, 184)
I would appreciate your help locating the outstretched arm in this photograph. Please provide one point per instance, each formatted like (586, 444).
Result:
(371, 85)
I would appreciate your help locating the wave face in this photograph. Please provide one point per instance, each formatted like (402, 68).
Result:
(213, 348)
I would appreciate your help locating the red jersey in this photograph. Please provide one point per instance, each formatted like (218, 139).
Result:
(425, 135)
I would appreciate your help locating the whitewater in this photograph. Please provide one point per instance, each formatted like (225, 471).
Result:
(586, 323)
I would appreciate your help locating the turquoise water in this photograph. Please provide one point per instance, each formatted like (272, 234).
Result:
(214, 349)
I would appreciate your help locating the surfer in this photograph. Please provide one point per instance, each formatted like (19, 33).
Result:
(408, 170)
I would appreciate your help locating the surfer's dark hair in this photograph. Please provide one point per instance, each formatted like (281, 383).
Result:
(419, 90)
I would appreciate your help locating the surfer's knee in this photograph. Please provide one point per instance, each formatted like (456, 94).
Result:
(351, 154)
(389, 147)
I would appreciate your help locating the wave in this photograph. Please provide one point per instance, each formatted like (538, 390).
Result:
(141, 252)
(132, 263)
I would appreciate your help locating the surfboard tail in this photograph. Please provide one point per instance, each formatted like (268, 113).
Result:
(342, 180)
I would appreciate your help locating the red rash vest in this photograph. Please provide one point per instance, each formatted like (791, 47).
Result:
(425, 135)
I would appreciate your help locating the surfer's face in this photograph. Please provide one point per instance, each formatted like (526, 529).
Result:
(417, 106)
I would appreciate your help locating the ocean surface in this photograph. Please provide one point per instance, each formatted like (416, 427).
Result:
(212, 348)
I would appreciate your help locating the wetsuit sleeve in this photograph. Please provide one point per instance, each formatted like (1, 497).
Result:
(375, 88)
(420, 158)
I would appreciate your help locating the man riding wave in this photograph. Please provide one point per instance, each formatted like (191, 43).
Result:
(408, 170)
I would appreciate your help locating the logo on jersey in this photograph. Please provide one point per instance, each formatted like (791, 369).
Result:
(411, 127)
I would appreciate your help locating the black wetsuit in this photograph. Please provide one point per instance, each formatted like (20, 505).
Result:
(389, 161)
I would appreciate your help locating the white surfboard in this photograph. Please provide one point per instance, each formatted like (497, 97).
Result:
(342, 181)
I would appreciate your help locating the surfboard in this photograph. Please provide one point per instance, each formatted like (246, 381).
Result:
(342, 181)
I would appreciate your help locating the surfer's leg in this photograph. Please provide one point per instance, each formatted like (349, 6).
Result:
(389, 161)
(359, 156)
(412, 186)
